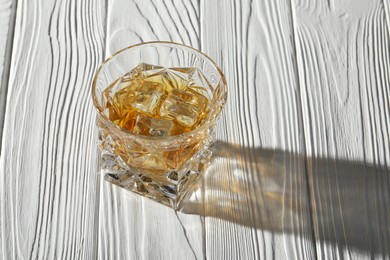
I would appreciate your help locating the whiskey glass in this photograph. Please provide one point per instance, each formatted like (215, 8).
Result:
(163, 168)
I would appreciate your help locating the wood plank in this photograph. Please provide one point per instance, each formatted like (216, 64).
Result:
(7, 23)
(131, 22)
(5, 19)
(131, 227)
(343, 50)
(48, 204)
(256, 190)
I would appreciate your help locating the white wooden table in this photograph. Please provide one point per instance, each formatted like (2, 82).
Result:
(303, 153)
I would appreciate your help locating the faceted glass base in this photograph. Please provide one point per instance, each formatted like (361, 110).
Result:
(171, 195)
(170, 191)
(170, 188)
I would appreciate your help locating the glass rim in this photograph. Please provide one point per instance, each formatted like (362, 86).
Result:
(189, 134)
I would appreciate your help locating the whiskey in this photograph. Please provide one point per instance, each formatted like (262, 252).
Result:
(156, 125)
(155, 101)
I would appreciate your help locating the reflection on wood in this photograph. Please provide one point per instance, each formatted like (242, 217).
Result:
(227, 199)
(347, 205)
(344, 61)
(267, 199)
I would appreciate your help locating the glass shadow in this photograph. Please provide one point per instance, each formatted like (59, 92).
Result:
(344, 203)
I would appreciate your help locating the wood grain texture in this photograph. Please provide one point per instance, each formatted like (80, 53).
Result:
(343, 50)
(7, 24)
(302, 162)
(131, 22)
(256, 190)
(131, 227)
(48, 204)
(5, 19)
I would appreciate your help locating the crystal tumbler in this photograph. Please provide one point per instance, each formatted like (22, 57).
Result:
(157, 104)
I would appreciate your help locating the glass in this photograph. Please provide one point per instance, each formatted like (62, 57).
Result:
(158, 165)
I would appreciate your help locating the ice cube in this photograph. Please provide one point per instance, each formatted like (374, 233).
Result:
(148, 97)
(185, 107)
(161, 78)
(160, 127)
(198, 98)
(170, 78)
(142, 125)
(124, 98)
(187, 116)
(133, 79)
(153, 126)
(181, 95)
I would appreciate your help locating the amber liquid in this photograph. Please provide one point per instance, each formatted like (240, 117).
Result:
(155, 101)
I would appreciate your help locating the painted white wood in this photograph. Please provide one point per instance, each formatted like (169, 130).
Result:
(301, 169)
(135, 21)
(48, 203)
(132, 227)
(343, 50)
(258, 195)
(7, 17)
